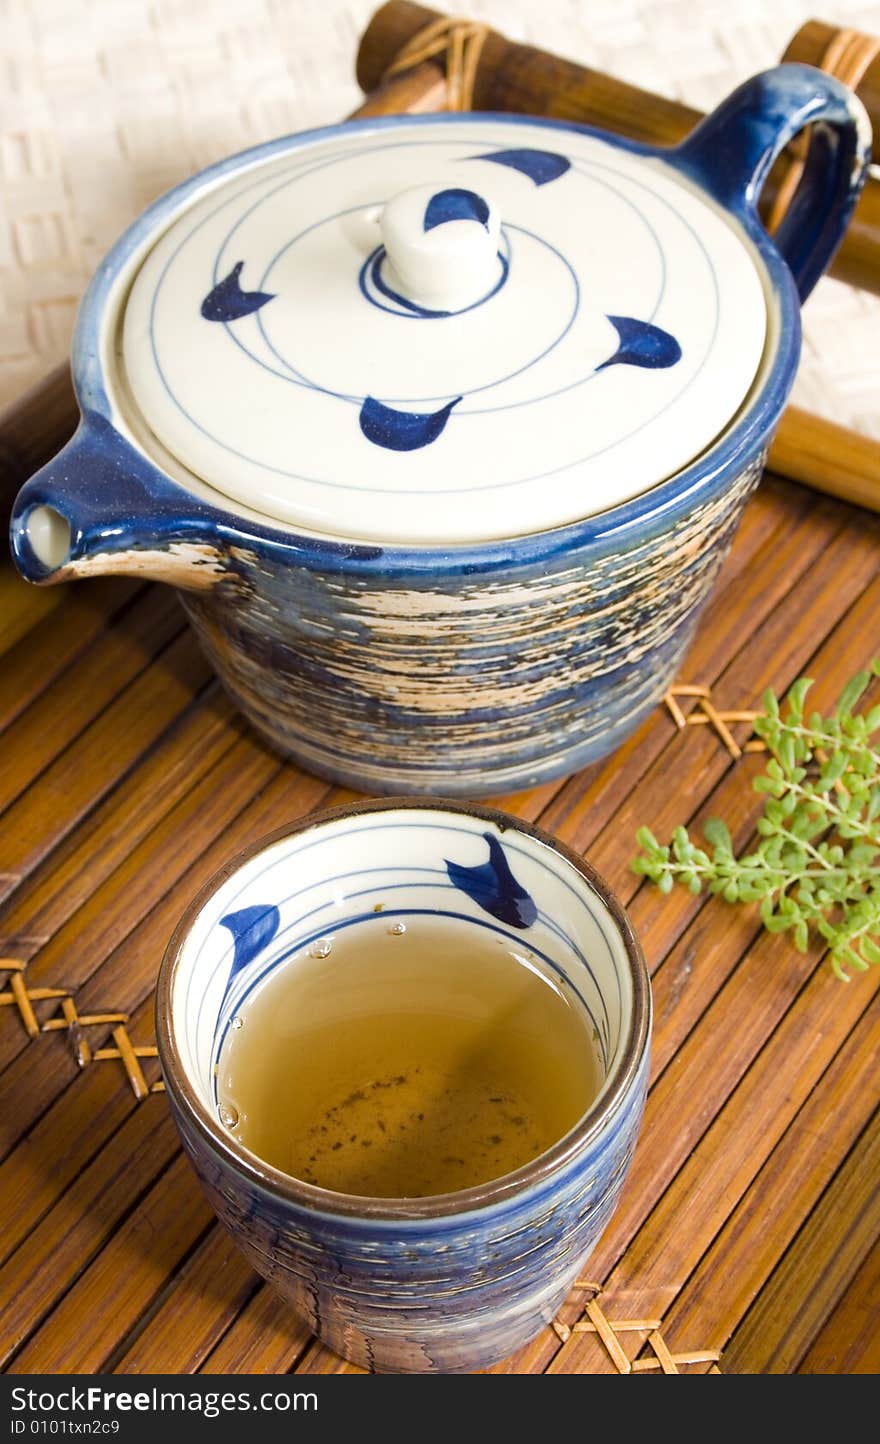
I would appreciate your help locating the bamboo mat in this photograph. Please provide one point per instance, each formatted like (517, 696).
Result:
(748, 1227)
(107, 103)
(746, 1239)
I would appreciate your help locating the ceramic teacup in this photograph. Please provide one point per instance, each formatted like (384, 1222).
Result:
(458, 1281)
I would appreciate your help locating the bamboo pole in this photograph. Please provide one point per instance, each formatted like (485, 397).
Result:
(827, 457)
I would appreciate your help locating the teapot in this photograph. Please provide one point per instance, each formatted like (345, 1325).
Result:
(442, 425)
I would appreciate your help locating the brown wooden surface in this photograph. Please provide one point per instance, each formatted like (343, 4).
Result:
(749, 1223)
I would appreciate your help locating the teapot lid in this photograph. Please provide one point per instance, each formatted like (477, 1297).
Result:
(443, 330)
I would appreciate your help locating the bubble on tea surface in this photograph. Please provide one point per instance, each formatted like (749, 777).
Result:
(398, 929)
(321, 948)
(237, 1023)
(228, 1115)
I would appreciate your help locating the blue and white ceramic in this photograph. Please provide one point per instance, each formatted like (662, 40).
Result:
(458, 1281)
(515, 338)
(443, 425)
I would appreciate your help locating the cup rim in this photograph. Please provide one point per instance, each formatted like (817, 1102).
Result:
(432, 1207)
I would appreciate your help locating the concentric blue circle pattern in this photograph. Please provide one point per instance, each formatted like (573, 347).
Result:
(270, 348)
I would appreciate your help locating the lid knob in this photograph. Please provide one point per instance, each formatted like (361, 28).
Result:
(441, 247)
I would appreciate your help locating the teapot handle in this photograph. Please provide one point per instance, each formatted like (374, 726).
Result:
(732, 151)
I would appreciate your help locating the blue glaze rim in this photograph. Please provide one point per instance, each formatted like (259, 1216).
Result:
(543, 1175)
(726, 159)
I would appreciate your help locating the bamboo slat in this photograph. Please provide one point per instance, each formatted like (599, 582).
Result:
(817, 1267)
(263, 1339)
(849, 1342)
(52, 643)
(721, 1166)
(49, 896)
(766, 978)
(116, 738)
(148, 1245)
(773, 649)
(829, 458)
(123, 928)
(83, 1220)
(59, 713)
(21, 606)
(190, 1311)
(740, 1261)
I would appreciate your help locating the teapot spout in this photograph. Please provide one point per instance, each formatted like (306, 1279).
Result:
(100, 508)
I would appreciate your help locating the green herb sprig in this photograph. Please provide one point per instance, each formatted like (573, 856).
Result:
(816, 867)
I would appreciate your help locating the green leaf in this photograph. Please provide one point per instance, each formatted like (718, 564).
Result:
(786, 752)
(775, 923)
(870, 950)
(833, 769)
(717, 833)
(853, 691)
(796, 694)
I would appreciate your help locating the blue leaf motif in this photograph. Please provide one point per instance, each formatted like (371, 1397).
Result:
(227, 301)
(455, 205)
(642, 344)
(541, 166)
(252, 930)
(493, 887)
(402, 430)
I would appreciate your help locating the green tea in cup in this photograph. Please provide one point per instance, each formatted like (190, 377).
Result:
(403, 1058)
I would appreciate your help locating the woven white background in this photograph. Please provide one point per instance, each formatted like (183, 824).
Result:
(106, 103)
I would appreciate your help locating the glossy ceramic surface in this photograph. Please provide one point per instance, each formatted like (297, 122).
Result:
(458, 1281)
(477, 667)
(534, 336)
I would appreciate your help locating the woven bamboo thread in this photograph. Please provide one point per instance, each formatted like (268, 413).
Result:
(458, 43)
(706, 714)
(71, 1021)
(660, 1359)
